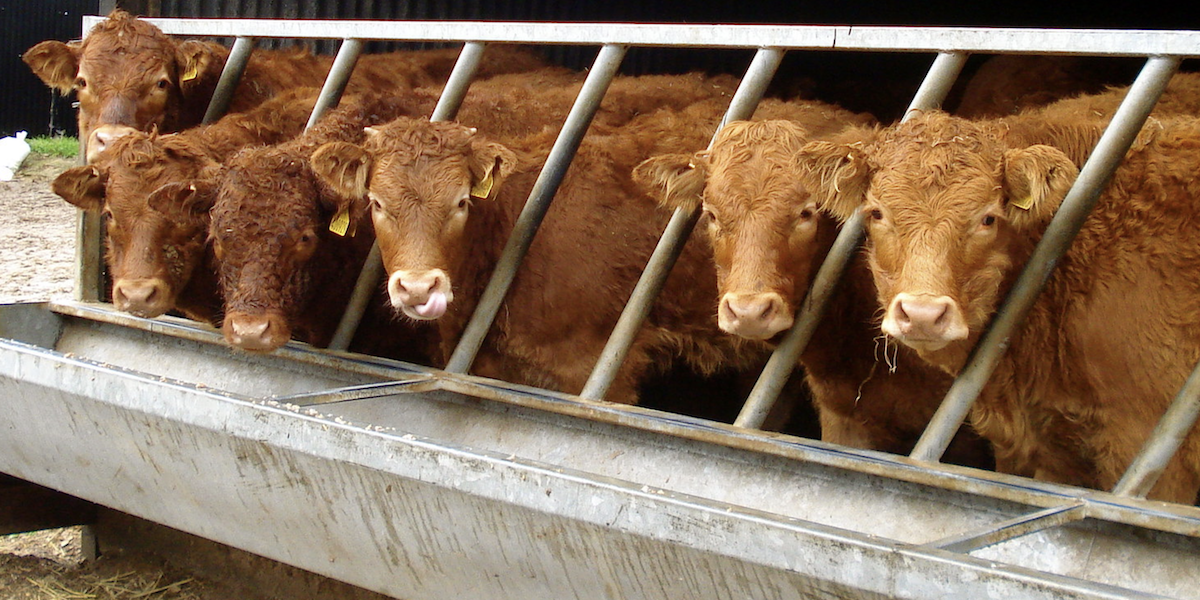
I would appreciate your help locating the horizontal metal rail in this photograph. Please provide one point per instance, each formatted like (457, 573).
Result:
(800, 37)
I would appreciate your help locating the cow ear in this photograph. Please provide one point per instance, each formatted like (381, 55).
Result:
(490, 164)
(837, 175)
(55, 63)
(194, 58)
(1035, 181)
(82, 186)
(343, 166)
(674, 180)
(184, 201)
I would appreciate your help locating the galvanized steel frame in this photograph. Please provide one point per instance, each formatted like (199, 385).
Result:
(953, 45)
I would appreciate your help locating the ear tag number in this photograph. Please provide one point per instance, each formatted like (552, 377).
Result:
(483, 188)
(1025, 203)
(340, 223)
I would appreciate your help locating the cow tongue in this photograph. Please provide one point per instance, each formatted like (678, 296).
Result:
(434, 307)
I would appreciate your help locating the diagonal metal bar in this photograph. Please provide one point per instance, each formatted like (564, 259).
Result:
(1012, 528)
(758, 76)
(578, 120)
(1109, 152)
(1164, 441)
(762, 397)
(419, 383)
(231, 75)
(335, 82)
(372, 270)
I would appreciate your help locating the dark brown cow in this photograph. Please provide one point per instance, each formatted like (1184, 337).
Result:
(1009, 84)
(768, 238)
(160, 264)
(443, 201)
(265, 199)
(129, 75)
(954, 209)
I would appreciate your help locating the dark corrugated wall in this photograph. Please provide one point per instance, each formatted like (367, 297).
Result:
(26, 103)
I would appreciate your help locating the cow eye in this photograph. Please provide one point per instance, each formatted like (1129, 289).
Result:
(162, 84)
(80, 82)
(989, 220)
(876, 214)
(806, 214)
(464, 203)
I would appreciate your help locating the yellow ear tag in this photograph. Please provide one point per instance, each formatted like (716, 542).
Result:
(191, 73)
(1025, 203)
(483, 188)
(340, 223)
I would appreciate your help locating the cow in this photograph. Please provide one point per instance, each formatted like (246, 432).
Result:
(1005, 85)
(953, 210)
(443, 198)
(128, 75)
(768, 239)
(159, 264)
(269, 295)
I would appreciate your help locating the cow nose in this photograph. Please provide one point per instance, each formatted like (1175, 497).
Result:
(257, 332)
(924, 320)
(147, 298)
(755, 316)
(420, 294)
(102, 137)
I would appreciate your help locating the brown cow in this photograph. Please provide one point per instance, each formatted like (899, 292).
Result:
(249, 197)
(1009, 84)
(160, 264)
(954, 209)
(768, 239)
(129, 75)
(443, 200)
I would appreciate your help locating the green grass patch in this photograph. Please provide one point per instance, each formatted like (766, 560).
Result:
(55, 146)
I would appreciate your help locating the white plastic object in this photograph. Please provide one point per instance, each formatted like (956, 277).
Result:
(13, 150)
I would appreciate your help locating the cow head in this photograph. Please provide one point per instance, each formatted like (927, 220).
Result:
(950, 207)
(127, 75)
(150, 255)
(421, 181)
(270, 228)
(766, 232)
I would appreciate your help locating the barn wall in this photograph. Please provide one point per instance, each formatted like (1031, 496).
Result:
(26, 103)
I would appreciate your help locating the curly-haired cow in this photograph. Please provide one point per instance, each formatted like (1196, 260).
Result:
(954, 209)
(768, 239)
(159, 264)
(128, 75)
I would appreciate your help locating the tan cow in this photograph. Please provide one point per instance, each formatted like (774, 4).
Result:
(128, 75)
(443, 200)
(953, 210)
(768, 239)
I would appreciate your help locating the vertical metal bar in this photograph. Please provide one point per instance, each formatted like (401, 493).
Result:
(933, 90)
(231, 74)
(578, 120)
(1164, 441)
(1093, 177)
(372, 271)
(670, 245)
(89, 244)
(335, 82)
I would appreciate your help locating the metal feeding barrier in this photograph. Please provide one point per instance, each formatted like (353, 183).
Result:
(424, 483)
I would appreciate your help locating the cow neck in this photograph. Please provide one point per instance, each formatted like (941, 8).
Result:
(488, 228)
(200, 299)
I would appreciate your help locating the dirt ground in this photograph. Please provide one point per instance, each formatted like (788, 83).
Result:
(37, 242)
